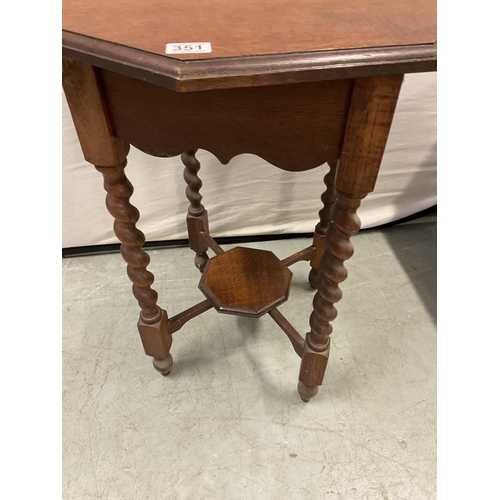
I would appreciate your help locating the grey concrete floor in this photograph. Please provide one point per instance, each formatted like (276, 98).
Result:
(227, 423)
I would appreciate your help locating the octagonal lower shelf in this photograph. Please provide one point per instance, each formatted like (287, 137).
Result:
(245, 282)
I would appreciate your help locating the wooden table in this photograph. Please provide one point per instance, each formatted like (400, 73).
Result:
(298, 83)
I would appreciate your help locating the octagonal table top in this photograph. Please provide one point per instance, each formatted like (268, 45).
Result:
(246, 282)
(222, 43)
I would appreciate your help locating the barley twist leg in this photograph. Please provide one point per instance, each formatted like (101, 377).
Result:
(325, 219)
(197, 216)
(345, 223)
(153, 320)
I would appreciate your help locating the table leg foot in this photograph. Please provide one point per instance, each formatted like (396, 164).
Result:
(200, 260)
(306, 392)
(314, 275)
(163, 365)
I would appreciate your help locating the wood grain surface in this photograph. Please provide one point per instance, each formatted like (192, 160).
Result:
(246, 282)
(97, 140)
(254, 28)
(249, 71)
(294, 127)
(370, 116)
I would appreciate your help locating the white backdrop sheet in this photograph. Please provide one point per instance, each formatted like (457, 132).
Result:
(248, 196)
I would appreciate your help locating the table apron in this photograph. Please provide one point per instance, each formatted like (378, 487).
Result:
(294, 127)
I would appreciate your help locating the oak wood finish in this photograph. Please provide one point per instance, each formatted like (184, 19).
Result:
(297, 82)
(309, 118)
(250, 71)
(325, 219)
(370, 117)
(305, 254)
(246, 282)
(101, 147)
(295, 337)
(153, 321)
(99, 144)
(321, 39)
(372, 108)
(197, 216)
(338, 249)
(253, 28)
(176, 322)
(211, 243)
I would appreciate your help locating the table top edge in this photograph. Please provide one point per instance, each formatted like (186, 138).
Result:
(248, 71)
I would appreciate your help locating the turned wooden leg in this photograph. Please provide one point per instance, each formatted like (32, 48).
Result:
(345, 223)
(102, 148)
(197, 217)
(325, 219)
(371, 111)
(153, 320)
